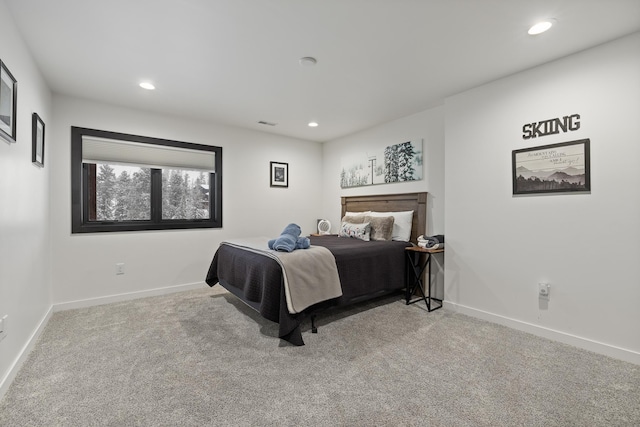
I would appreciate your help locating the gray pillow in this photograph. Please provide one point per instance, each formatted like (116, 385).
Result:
(381, 227)
(353, 219)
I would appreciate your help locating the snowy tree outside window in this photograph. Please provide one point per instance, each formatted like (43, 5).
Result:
(123, 193)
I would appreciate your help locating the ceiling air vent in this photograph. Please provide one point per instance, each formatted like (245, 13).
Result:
(262, 122)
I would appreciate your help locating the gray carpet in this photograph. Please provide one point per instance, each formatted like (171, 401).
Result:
(202, 358)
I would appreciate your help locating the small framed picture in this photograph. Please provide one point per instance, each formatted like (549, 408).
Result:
(279, 174)
(555, 168)
(37, 153)
(8, 100)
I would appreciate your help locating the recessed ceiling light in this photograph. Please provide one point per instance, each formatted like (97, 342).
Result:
(541, 27)
(308, 61)
(147, 85)
(313, 124)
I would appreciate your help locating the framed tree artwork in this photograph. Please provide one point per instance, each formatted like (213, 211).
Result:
(37, 152)
(400, 162)
(279, 174)
(8, 100)
(555, 168)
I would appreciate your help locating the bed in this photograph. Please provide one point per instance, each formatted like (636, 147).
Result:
(366, 269)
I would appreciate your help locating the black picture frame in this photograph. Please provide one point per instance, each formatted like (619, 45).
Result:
(555, 168)
(8, 101)
(279, 173)
(37, 144)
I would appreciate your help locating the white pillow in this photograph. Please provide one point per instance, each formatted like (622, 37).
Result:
(401, 224)
(358, 231)
(356, 213)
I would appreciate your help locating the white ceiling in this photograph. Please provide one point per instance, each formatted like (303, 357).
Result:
(236, 61)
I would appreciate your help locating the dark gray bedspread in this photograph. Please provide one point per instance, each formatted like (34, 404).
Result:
(366, 270)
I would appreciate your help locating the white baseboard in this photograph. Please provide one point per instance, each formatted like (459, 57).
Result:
(563, 337)
(90, 302)
(24, 353)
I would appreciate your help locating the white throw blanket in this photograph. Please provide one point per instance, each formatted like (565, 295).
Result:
(310, 275)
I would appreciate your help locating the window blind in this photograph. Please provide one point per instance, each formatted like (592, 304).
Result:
(102, 150)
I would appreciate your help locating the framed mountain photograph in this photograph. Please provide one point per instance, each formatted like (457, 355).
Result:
(555, 168)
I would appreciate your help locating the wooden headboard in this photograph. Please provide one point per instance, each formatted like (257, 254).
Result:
(416, 202)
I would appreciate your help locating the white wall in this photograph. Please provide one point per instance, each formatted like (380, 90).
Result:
(84, 264)
(587, 246)
(25, 267)
(427, 126)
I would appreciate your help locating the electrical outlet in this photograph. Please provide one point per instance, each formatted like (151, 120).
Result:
(120, 268)
(3, 326)
(543, 290)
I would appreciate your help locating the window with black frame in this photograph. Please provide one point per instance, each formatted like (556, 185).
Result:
(123, 182)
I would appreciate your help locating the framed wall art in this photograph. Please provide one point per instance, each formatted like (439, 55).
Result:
(8, 100)
(279, 174)
(394, 163)
(37, 151)
(555, 168)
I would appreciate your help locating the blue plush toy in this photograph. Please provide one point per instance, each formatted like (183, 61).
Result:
(290, 240)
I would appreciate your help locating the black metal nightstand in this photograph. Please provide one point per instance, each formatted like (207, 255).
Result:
(414, 271)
